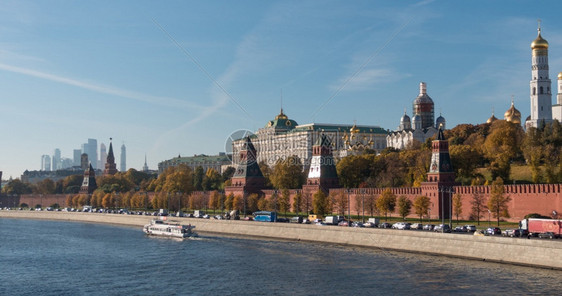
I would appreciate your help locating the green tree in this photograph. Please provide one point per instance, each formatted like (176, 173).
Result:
(498, 202)
(421, 206)
(320, 203)
(404, 206)
(287, 173)
(386, 202)
(212, 180)
(72, 183)
(466, 160)
(457, 205)
(198, 178)
(16, 186)
(266, 171)
(298, 203)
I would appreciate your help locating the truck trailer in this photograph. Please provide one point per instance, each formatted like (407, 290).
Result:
(535, 226)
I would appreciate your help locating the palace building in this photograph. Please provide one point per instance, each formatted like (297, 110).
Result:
(283, 137)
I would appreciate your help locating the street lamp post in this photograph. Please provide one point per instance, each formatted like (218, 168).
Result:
(244, 200)
(442, 209)
(450, 189)
(363, 203)
(348, 207)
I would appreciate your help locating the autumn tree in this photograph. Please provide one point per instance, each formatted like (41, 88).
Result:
(252, 202)
(404, 206)
(501, 146)
(320, 203)
(457, 205)
(353, 170)
(370, 204)
(287, 173)
(297, 203)
(46, 186)
(478, 205)
(498, 202)
(285, 201)
(228, 202)
(339, 202)
(421, 206)
(386, 202)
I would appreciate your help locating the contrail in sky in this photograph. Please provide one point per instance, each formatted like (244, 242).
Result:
(103, 89)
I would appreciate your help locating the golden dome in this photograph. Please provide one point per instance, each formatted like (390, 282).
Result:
(354, 129)
(281, 115)
(512, 114)
(491, 119)
(539, 43)
(560, 76)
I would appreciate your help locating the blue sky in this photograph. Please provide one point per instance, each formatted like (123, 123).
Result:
(178, 77)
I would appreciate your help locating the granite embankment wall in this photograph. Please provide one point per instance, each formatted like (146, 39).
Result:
(534, 252)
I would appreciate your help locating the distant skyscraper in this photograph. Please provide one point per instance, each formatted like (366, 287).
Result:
(91, 148)
(84, 161)
(45, 163)
(66, 163)
(76, 157)
(103, 156)
(57, 165)
(123, 158)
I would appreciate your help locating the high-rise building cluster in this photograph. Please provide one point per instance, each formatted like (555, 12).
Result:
(81, 158)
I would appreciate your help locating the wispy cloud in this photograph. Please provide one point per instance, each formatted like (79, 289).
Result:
(104, 89)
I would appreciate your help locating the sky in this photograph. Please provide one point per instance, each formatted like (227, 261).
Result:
(169, 78)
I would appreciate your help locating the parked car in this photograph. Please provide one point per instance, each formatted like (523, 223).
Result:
(460, 229)
(428, 227)
(470, 228)
(357, 224)
(550, 235)
(416, 226)
(385, 225)
(493, 231)
(401, 225)
(343, 223)
(442, 228)
(369, 224)
(512, 233)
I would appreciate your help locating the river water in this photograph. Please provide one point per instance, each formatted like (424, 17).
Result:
(66, 258)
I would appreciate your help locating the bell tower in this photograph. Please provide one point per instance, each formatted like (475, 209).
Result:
(541, 95)
(322, 173)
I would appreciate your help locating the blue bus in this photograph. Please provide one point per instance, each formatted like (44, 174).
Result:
(265, 216)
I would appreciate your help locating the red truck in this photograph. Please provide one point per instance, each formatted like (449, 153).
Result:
(537, 226)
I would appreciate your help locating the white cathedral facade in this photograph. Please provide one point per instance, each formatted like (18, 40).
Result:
(421, 127)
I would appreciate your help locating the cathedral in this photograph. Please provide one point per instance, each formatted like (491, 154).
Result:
(421, 127)
(542, 109)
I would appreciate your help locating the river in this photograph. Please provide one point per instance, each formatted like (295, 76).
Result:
(68, 258)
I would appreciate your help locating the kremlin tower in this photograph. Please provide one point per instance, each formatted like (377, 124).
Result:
(541, 96)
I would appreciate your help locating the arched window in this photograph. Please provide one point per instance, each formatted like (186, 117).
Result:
(534, 90)
(541, 90)
(548, 89)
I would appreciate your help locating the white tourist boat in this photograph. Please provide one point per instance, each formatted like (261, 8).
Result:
(161, 227)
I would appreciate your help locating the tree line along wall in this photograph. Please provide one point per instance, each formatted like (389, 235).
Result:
(525, 198)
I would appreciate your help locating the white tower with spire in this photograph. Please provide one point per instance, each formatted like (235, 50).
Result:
(541, 95)
(145, 166)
